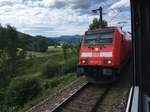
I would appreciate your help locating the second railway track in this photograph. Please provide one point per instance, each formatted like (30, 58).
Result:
(85, 100)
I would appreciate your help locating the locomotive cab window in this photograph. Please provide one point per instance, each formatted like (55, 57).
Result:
(99, 38)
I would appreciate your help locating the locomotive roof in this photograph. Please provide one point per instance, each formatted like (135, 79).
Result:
(106, 29)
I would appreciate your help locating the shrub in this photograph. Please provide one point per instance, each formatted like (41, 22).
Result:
(55, 82)
(50, 70)
(6, 108)
(31, 56)
(4, 79)
(69, 66)
(46, 85)
(22, 89)
(2, 95)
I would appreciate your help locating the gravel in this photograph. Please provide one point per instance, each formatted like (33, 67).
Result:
(117, 96)
(61, 96)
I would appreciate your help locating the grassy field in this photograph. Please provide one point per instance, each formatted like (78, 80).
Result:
(51, 51)
(34, 67)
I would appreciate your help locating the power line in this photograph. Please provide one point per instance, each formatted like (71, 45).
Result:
(118, 11)
(112, 8)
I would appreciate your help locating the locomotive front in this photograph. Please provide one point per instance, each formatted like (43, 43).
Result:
(96, 59)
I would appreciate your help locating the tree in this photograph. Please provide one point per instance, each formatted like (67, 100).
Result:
(43, 45)
(96, 24)
(11, 53)
(65, 46)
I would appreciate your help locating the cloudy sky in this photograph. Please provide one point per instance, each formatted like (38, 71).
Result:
(60, 17)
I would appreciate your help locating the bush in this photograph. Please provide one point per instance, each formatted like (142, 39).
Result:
(55, 83)
(50, 70)
(4, 79)
(69, 66)
(23, 89)
(46, 85)
(2, 95)
(6, 108)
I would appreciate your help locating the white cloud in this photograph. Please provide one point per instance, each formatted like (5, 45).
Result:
(32, 16)
(113, 13)
(43, 17)
(121, 3)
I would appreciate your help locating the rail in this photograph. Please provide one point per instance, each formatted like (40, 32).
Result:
(53, 102)
(85, 100)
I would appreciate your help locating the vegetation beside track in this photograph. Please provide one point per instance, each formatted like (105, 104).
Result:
(28, 77)
(49, 71)
(49, 87)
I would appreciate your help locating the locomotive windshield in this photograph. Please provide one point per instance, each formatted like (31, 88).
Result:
(99, 38)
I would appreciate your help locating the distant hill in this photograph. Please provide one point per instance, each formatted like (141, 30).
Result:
(33, 38)
(67, 39)
(33, 43)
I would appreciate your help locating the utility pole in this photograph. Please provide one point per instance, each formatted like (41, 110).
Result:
(101, 15)
(100, 10)
(123, 23)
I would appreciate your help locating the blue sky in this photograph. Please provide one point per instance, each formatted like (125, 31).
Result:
(53, 18)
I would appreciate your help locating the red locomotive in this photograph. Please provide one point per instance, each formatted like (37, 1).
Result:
(103, 53)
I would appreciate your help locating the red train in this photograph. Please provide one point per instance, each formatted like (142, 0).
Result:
(103, 53)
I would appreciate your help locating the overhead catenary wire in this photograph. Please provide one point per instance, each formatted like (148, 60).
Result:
(114, 10)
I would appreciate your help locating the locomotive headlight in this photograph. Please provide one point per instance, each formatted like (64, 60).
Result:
(106, 54)
(107, 62)
(84, 61)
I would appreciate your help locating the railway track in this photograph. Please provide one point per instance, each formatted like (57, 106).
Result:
(116, 98)
(53, 102)
(114, 101)
(79, 96)
(85, 100)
